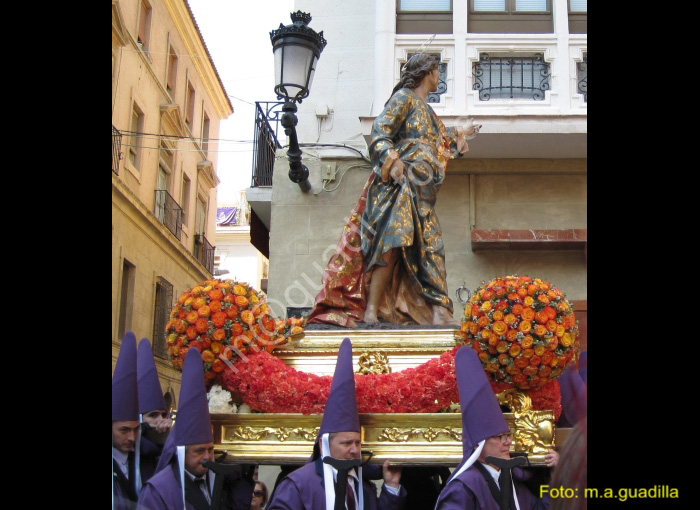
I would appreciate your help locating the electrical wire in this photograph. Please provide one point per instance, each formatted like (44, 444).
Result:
(351, 165)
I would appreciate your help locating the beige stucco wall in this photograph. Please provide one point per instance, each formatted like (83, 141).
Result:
(139, 77)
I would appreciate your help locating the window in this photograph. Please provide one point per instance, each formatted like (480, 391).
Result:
(137, 122)
(200, 217)
(510, 16)
(511, 77)
(189, 105)
(144, 26)
(205, 133)
(161, 185)
(424, 17)
(126, 298)
(578, 13)
(172, 72)
(163, 306)
(185, 197)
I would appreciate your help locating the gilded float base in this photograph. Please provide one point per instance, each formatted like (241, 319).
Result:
(404, 439)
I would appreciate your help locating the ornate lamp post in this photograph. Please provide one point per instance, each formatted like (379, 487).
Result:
(296, 48)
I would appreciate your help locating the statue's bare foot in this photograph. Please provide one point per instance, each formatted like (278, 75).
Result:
(443, 317)
(370, 316)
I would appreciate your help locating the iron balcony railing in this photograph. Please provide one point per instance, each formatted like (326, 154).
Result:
(511, 77)
(265, 141)
(168, 212)
(204, 252)
(116, 149)
(163, 306)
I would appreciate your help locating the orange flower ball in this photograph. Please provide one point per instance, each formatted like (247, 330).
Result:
(523, 329)
(223, 319)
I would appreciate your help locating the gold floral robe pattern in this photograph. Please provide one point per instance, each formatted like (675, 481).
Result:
(391, 215)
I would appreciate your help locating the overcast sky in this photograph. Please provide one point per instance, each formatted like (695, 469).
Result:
(237, 34)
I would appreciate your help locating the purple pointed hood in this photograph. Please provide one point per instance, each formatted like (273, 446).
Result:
(574, 395)
(125, 395)
(193, 422)
(481, 415)
(340, 413)
(150, 392)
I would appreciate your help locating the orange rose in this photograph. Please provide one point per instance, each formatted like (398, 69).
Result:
(514, 350)
(215, 294)
(237, 328)
(192, 317)
(510, 319)
(521, 362)
(215, 306)
(522, 292)
(539, 350)
(204, 311)
(500, 328)
(242, 301)
(208, 356)
(528, 314)
(219, 319)
(503, 358)
(198, 302)
(497, 315)
(540, 330)
(525, 326)
(528, 353)
(483, 321)
(201, 325)
(502, 346)
(239, 290)
(219, 335)
(517, 309)
(218, 365)
(566, 340)
(484, 357)
(559, 331)
(486, 306)
(512, 335)
(541, 317)
(553, 343)
(247, 317)
(551, 326)
(543, 299)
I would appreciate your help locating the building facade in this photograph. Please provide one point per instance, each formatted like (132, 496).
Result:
(514, 204)
(167, 102)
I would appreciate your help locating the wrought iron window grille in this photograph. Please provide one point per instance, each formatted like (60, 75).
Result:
(163, 305)
(582, 77)
(509, 77)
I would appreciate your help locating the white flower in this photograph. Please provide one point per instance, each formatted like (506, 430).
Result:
(220, 401)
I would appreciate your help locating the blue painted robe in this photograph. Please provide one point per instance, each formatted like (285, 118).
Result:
(403, 216)
(303, 489)
(470, 491)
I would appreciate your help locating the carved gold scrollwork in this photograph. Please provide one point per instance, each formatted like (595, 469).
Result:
(373, 362)
(396, 435)
(281, 433)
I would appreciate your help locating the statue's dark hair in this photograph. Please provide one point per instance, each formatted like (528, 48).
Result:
(413, 72)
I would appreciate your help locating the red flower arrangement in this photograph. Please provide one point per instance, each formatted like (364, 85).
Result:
(523, 330)
(223, 320)
(268, 385)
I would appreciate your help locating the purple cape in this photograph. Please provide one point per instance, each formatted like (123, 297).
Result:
(302, 489)
(469, 491)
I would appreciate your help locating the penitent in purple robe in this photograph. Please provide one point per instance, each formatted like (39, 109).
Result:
(163, 492)
(303, 490)
(469, 491)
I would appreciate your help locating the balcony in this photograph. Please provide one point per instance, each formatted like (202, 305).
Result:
(116, 149)
(204, 252)
(168, 212)
(265, 142)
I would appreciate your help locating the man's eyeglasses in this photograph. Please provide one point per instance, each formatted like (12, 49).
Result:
(258, 494)
(503, 438)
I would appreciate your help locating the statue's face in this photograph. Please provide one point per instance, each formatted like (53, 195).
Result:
(345, 445)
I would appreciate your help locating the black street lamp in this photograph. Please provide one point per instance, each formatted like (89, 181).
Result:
(296, 48)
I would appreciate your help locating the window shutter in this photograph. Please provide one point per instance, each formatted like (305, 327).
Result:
(425, 5)
(490, 5)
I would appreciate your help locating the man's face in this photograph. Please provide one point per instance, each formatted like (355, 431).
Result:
(124, 434)
(154, 417)
(496, 446)
(345, 445)
(195, 454)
